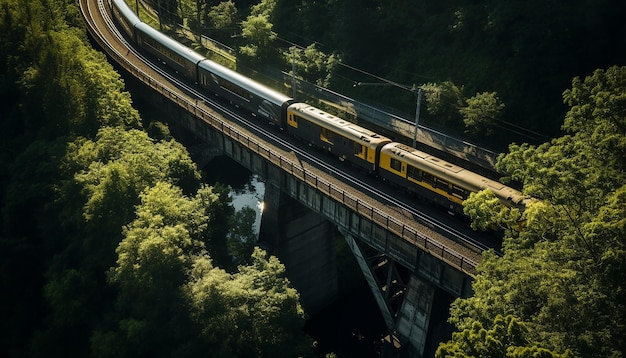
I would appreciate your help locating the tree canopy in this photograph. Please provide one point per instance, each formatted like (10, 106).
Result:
(103, 222)
(257, 32)
(562, 275)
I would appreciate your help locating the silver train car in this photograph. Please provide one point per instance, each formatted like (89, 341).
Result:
(181, 58)
(125, 17)
(258, 99)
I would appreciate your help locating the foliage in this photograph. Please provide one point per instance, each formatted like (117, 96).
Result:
(487, 212)
(444, 101)
(81, 178)
(517, 49)
(264, 8)
(221, 213)
(560, 276)
(223, 16)
(481, 113)
(257, 32)
(506, 338)
(76, 182)
(59, 75)
(153, 257)
(119, 164)
(312, 64)
(218, 22)
(242, 237)
(258, 300)
(525, 51)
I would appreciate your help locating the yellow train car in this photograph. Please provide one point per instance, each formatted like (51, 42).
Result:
(437, 180)
(346, 140)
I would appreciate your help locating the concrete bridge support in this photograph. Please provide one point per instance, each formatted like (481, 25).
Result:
(303, 240)
(203, 154)
(404, 299)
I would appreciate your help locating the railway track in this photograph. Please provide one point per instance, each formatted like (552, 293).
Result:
(438, 237)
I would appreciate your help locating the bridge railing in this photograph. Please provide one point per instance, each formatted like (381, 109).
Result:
(393, 225)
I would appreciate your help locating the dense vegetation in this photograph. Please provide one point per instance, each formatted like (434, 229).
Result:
(110, 246)
(559, 288)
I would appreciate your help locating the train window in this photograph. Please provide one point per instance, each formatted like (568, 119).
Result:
(358, 149)
(412, 172)
(293, 120)
(164, 50)
(459, 192)
(361, 151)
(427, 178)
(442, 184)
(395, 164)
(233, 88)
(326, 135)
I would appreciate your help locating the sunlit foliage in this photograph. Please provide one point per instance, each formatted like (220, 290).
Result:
(559, 276)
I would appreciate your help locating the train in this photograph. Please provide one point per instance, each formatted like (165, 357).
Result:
(402, 166)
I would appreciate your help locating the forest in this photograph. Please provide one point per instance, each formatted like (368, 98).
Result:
(111, 245)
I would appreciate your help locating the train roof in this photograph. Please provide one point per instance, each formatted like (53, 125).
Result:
(125, 10)
(173, 45)
(260, 90)
(453, 173)
(339, 125)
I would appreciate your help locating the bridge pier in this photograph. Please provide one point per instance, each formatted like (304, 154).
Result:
(303, 240)
(405, 303)
(203, 154)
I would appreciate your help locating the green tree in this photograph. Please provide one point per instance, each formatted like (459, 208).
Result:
(223, 15)
(152, 260)
(64, 84)
(157, 245)
(487, 212)
(122, 155)
(220, 211)
(242, 237)
(191, 13)
(481, 113)
(507, 337)
(443, 102)
(55, 88)
(264, 8)
(257, 33)
(559, 274)
(312, 64)
(258, 301)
